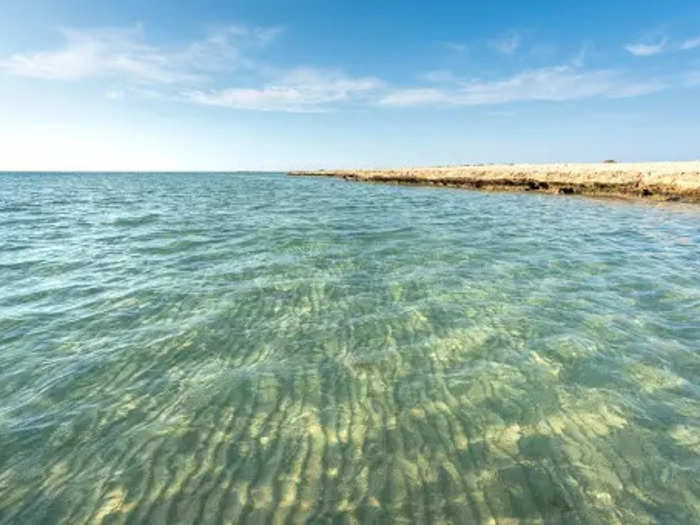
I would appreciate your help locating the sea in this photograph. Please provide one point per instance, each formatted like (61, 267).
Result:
(260, 348)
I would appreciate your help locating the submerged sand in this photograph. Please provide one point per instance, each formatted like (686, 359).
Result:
(678, 181)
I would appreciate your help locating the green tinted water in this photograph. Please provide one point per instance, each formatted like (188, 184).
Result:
(182, 348)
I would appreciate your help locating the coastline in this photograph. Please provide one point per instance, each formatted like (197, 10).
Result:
(658, 181)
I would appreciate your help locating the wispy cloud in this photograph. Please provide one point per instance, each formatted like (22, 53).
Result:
(579, 59)
(507, 44)
(439, 76)
(124, 53)
(124, 57)
(115, 94)
(457, 47)
(691, 43)
(559, 83)
(223, 69)
(301, 90)
(692, 79)
(646, 49)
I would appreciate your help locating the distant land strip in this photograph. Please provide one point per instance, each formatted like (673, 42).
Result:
(658, 181)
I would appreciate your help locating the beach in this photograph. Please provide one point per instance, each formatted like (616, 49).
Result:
(658, 181)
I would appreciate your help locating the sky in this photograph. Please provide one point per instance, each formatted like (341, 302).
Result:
(282, 84)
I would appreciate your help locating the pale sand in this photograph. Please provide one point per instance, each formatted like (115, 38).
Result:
(651, 180)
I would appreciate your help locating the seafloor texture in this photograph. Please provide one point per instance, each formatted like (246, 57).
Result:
(656, 181)
(216, 348)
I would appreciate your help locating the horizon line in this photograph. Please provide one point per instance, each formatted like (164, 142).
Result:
(288, 170)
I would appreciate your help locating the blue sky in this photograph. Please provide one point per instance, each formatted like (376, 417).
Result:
(277, 85)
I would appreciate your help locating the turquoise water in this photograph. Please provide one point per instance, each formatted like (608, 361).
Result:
(255, 348)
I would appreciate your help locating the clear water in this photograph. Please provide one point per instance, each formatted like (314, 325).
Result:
(204, 348)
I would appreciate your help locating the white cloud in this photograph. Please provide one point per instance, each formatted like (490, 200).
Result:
(546, 84)
(417, 97)
(691, 43)
(645, 50)
(200, 72)
(124, 56)
(507, 44)
(301, 90)
(123, 53)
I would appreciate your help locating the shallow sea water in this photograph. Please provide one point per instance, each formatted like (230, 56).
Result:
(255, 348)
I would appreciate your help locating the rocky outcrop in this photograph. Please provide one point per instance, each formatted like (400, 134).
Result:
(659, 181)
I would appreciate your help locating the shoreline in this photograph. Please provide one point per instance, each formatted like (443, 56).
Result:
(655, 181)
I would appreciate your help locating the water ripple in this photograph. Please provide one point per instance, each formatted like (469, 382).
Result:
(257, 348)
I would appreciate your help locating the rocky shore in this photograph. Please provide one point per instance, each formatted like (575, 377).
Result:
(660, 181)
